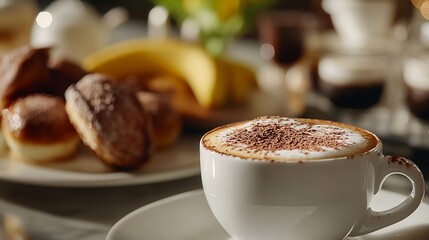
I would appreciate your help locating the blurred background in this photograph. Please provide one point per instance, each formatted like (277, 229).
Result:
(140, 9)
(301, 55)
(355, 61)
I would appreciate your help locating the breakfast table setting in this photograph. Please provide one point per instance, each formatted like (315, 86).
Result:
(214, 120)
(36, 212)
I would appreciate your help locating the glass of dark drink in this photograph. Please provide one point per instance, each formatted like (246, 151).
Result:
(416, 79)
(353, 81)
(285, 32)
(354, 84)
(416, 83)
(283, 35)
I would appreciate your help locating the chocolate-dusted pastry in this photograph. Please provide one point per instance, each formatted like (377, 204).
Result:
(37, 129)
(22, 71)
(109, 120)
(165, 119)
(63, 73)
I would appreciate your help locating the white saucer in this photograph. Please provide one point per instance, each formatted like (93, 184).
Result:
(187, 217)
(85, 170)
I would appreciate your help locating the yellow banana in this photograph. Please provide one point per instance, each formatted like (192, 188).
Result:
(240, 80)
(185, 60)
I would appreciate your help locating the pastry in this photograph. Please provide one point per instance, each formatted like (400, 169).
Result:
(165, 119)
(37, 129)
(109, 120)
(63, 73)
(22, 72)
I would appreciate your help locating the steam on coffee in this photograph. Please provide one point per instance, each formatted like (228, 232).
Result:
(284, 139)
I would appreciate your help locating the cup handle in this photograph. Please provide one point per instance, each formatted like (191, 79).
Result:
(390, 165)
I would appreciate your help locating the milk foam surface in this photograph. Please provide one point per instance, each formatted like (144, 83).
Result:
(351, 141)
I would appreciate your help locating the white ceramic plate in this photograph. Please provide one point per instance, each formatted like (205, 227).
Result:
(187, 217)
(85, 170)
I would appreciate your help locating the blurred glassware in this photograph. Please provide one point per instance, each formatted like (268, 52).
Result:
(215, 21)
(158, 23)
(414, 111)
(16, 19)
(416, 87)
(284, 42)
(285, 32)
(73, 28)
(356, 85)
(416, 79)
(358, 22)
(354, 80)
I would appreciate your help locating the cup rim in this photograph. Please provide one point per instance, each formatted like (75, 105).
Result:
(375, 149)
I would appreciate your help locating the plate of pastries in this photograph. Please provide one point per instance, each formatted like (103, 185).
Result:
(132, 113)
(64, 126)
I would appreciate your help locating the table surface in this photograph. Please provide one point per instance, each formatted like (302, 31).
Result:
(87, 214)
(77, 213)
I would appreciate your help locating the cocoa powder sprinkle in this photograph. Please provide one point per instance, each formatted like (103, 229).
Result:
(272, 136)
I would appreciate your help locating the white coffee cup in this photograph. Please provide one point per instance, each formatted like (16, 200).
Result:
(359, 22)
(302, 199)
